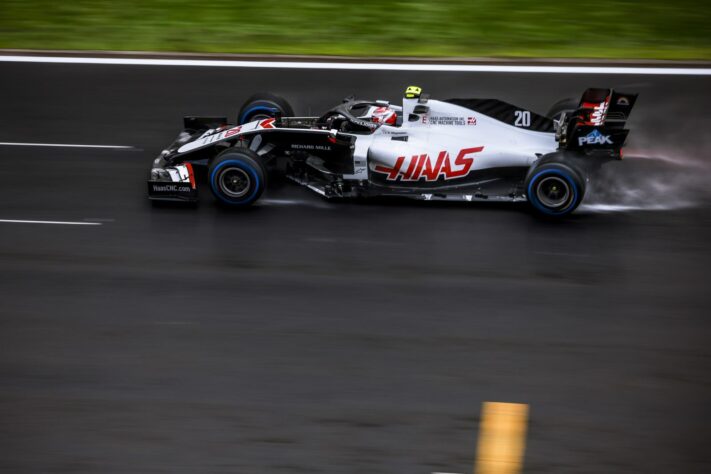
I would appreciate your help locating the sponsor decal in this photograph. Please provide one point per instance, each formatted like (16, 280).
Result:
(233, 131)
(448, 120)
(597, 117)
(216, 137)
(171, 188)
(267, 123)
(428, 168)
(207, 133)
(390, 131)
(295, 146)
(595, 138)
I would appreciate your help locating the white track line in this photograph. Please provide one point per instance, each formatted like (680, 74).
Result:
(641, 70)
(17, 221)
(67, 145)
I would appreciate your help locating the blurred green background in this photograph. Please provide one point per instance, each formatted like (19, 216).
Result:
(476, 28)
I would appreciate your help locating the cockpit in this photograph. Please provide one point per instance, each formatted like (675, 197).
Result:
(361, 116)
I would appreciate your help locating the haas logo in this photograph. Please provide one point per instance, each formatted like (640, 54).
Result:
(423, 166)
(599, 112)
(233, 131)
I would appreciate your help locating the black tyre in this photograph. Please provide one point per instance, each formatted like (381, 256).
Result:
(263, 106)
(566, 105)
(237, 177)
(554, 189)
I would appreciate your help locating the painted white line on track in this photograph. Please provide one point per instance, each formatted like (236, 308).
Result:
(19, 221)
(641, 70)
(67, 145)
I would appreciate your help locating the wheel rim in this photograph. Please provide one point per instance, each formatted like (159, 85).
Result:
(234, 182)
(259, 117)
(553, 192)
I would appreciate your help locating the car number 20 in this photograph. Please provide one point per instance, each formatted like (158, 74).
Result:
(523, 118)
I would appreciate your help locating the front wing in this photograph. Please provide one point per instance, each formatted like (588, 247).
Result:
(173, 183)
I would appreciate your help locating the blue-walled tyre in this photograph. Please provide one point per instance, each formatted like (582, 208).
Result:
(554, 189)
(237, 177)
(263, 106)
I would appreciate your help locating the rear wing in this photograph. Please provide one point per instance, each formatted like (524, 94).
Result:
(598, 123)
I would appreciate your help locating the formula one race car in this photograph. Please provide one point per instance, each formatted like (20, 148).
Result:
(456, 149)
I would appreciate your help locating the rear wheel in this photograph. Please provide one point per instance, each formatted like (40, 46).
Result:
(237, 177)
(554, 189)
(562, 106)
(263, 106)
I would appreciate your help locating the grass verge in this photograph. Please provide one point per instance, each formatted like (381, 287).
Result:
(652, 29)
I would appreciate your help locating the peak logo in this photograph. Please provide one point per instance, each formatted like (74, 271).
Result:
(595, 138)
(421, 166)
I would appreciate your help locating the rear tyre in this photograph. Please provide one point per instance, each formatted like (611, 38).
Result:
(566, 105)
(237, 177)
(554, 189)
(262, 106)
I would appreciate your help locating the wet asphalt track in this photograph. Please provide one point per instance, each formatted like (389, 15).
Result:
(306, 336)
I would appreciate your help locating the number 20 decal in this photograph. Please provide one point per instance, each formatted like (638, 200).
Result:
(523, 118)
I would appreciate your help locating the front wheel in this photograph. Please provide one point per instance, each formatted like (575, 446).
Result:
(237, 177)
(262, 106)
(554, 189)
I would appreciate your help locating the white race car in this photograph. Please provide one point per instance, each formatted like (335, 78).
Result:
(456, 149)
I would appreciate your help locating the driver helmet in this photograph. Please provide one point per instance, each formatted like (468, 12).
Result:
(384, 115)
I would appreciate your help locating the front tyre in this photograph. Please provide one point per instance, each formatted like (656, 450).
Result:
(237, 178)
(263, 106)
(554, 189)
